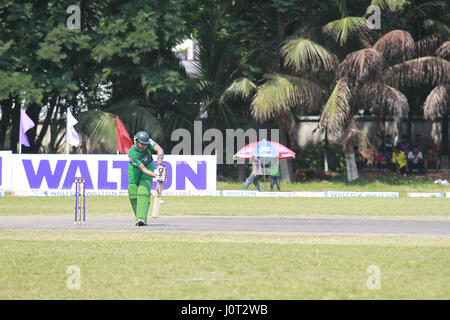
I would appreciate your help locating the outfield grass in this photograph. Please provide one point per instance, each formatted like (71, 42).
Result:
(401, 206)
(220, 266)
(386, 184)
(236, 206)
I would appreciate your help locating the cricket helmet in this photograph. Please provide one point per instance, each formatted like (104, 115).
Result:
(141, 137)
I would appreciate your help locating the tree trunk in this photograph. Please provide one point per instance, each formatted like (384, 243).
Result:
(242, 175)
(352, 170)
(45, 125)
(325, 151)
(381, 130)
(285, 165)
(6, 107)
(444, 143)
(14, 138)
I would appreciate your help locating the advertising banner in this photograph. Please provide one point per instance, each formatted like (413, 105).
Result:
(5, 170)
(50, 172)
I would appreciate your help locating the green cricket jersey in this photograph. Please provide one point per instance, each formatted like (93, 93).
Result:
(145, 157)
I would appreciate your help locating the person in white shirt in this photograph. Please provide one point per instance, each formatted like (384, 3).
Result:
(254, 176)
(415, 160)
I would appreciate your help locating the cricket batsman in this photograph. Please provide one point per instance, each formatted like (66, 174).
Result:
(140, 174)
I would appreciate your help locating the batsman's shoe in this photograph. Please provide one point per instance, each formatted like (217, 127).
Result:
(141, 223)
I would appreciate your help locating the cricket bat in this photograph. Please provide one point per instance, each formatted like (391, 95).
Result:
(157, 200)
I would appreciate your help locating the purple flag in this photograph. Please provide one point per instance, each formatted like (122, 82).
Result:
(25, 124)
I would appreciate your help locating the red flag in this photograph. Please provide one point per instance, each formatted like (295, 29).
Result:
(124, 143)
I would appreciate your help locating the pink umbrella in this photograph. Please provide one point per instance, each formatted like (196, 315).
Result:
(252, 149)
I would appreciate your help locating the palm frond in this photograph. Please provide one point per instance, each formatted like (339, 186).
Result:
(437, 102)
(359, 65)
(444, 50)
(418, 72)
(383, 98)
(99, 126)
(342, 30)
(392, 5)
(438, 27)
(137, 118)
(396, 45)
(352, 136)
(304, 55)
(282, 92)
(241, 87)
(342, 5)
(337, 110)
(428, 45)
(286, 120)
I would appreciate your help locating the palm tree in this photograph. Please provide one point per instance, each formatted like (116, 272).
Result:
(375, 74)
(301, 89)
(100, 125)
(437, 106)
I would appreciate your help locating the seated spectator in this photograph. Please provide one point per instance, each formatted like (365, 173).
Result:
(431, 160)
(388, 155)
(381, 160)
(361, 162)
(415, 160)
(399, 160)
(405, 146)
(387, 143)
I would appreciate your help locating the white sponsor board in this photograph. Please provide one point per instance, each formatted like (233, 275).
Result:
(34, 173)
(310, 194)
(348, 194)
(239, 193)
(62, 193)
(275, 194)
(205, 193)
(425, 195)
(2, 193)
(447, 194)
(5, 170)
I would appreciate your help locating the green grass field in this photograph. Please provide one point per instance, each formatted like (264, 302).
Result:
(115, 265)
(401, 206)
(387, 184)
(236, 206)
(148, 265)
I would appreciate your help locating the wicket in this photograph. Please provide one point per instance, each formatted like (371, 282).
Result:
(80, 204)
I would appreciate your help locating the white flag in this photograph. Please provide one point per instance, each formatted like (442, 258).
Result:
(72, 136)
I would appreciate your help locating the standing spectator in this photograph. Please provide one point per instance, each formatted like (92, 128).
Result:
(387, 143)
(418, 142)
(405, 146)
(256, 170)
(274, 173)
(399, 160)
(431, 160)
(415, 160)
(381, 161)
(361, 162)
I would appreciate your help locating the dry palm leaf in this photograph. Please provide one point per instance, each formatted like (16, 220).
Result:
(361, 64)
(444, 50)
(353, 136)
(397, 45)
(437, 102)
(428, 45)
(384, 98)
(337, 110)
(418, 72)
